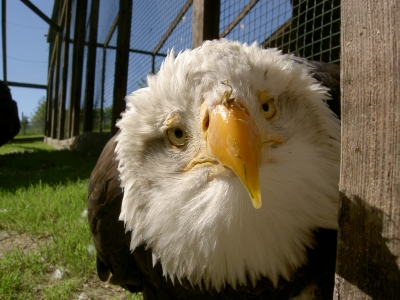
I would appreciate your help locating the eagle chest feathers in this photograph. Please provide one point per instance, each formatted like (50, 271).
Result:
(222, 181)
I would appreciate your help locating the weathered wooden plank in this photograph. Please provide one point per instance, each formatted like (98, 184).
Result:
(121, 60)
(205, 23)
(369, 222)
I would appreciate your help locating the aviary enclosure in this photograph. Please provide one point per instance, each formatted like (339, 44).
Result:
(101, 50)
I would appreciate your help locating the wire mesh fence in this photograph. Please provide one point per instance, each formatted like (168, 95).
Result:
(313, 31)
(307, 28)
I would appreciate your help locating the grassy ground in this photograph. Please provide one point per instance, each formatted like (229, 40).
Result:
(14, 147)
(19, 136)
(43, 199)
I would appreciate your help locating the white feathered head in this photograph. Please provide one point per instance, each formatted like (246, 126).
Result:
(228, 160)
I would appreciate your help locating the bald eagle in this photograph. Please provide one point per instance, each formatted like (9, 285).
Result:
(222, 182)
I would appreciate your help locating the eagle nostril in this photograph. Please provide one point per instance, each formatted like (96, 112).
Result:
(206, 122)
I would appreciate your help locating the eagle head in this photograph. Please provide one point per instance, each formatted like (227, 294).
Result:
(229, 159)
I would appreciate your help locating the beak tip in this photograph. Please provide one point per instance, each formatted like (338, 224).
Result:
(256, 202)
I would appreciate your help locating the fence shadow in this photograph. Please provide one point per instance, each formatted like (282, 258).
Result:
(363, 249)
(33, 165)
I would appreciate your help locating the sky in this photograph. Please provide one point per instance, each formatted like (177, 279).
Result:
(27, 52)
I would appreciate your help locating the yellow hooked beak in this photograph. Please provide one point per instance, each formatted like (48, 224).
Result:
(234, 141)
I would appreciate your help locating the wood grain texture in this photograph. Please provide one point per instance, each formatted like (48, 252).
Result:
(369, 234)
(206, 14)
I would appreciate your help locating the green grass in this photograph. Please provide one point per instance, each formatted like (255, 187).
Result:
(43, 194)
(38, 146)
(18, 137)
(44, 164)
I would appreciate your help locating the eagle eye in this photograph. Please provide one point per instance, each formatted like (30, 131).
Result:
(268, 109)
(177, 137)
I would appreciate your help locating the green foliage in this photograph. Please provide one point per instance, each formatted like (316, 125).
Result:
(39, 116)
(107, 116)
(36, 123)
(108, 113)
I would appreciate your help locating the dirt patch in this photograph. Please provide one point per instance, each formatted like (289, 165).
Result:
(91, 290)
(95, 289)
(10, 240)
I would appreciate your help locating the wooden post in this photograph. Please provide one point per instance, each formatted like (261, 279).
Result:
(121, 60)
(64, 68)
(52, 39)
(368, 264)
(77, 67)
(91, 66)
(205, 21)
(50, 88)
(49, 100)
(56, 88)
(103, 77)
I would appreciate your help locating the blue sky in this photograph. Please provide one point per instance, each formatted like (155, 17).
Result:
(28, 50)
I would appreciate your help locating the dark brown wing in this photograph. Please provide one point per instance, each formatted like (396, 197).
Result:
(329, 76)
(104, 206)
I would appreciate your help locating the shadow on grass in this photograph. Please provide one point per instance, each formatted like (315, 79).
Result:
(22, 169)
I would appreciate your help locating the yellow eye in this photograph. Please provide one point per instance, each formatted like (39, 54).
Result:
(177, 137)
(268, 109)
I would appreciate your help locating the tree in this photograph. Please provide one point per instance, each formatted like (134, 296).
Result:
(39, 116)
(24, 123)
